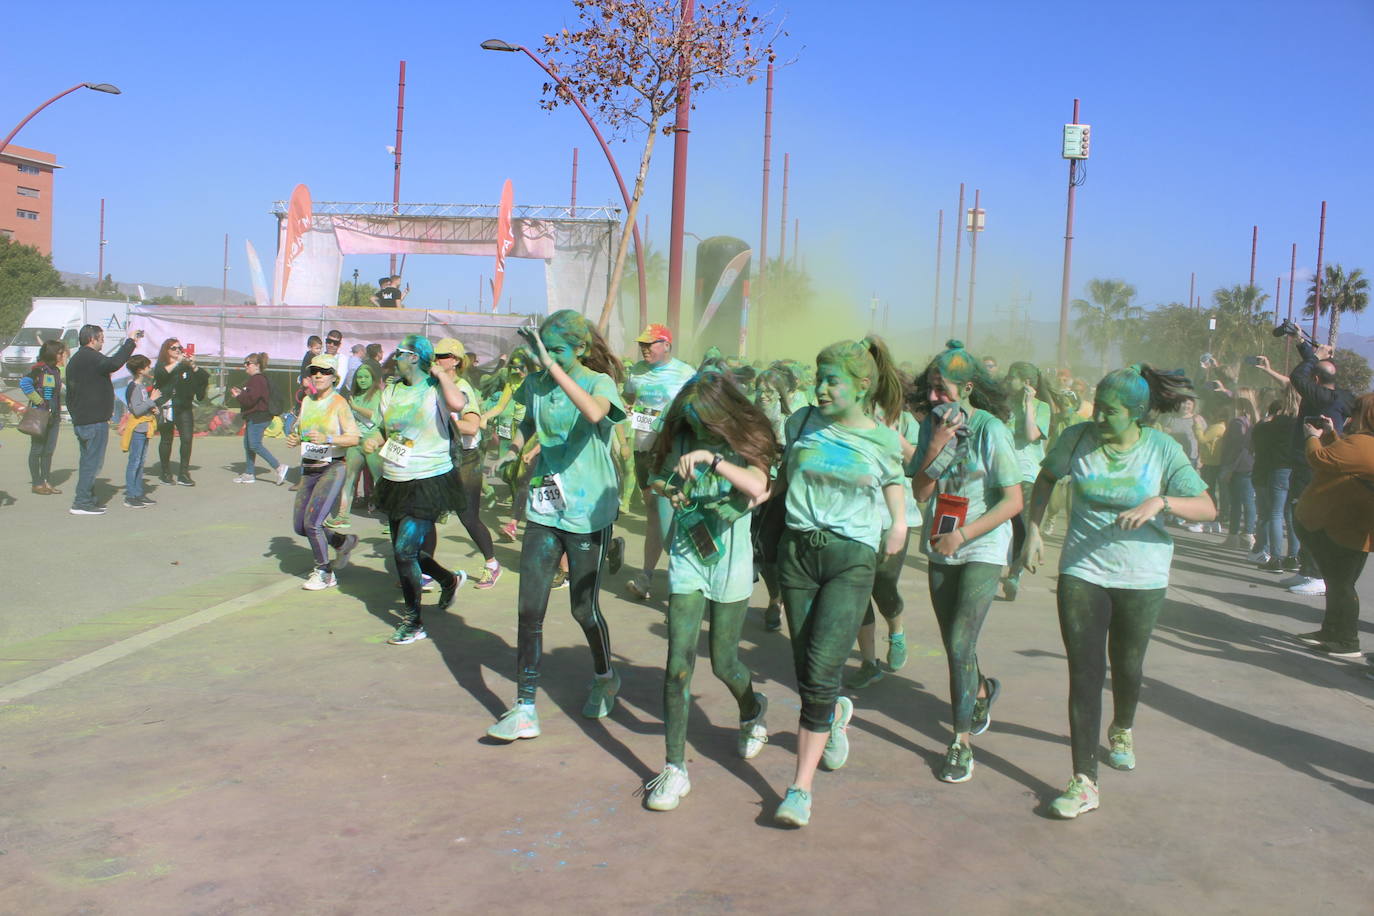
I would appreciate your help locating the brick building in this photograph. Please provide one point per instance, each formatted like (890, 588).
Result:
(26, 179)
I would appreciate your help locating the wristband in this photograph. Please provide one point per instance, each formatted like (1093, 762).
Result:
(1165, 500)
(328, 440)
(715, 461)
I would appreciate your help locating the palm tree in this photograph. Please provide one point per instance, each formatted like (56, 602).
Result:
(1243, 324)
(1109, 318)
(1342, 294)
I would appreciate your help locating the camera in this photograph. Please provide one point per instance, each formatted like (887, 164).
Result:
(1253, 361)
(1290, 328)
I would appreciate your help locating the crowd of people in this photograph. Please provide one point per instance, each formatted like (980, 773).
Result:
(811, 476)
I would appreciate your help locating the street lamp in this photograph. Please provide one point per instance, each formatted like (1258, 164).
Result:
(496, 44)
(98, 87)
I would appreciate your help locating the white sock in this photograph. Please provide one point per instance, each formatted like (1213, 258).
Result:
(493, 564)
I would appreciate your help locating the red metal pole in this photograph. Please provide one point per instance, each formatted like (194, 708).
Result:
(1317, 302)
(572, 207)
(939, 256)
(224, 291)
(958, 245)
(972, 264)
(1254, 249)
(400, 122)
(761, 260)
(782, 241)
(1292, 279)
(100, 270)
(681, 132)
(20, 126)
(1068, 260)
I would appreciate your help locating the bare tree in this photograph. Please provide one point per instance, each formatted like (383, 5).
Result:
(628, 61)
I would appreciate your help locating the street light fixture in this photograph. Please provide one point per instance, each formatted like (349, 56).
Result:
(496, 44)
(98, 87)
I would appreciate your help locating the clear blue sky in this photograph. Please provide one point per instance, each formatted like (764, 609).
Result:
(1207, 118)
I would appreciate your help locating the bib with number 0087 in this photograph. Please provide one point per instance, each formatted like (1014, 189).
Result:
(546, 495)
(643, 420)
(505, 430)
(316, 451)
(396, 452)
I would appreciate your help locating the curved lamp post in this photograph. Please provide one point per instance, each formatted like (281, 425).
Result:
(496, 44)
(98, 87)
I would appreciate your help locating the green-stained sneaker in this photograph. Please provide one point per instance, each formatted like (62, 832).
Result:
(520, 721)
(601, 698)
(795, 810)
(896, 652)
(860, 677)
(1079, 798)
(982, 706)
(667, 789)
(1121, 753)
(958, 765)
(753, 733)
(837, 745)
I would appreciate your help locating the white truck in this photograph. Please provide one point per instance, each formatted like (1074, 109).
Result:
(61, 318)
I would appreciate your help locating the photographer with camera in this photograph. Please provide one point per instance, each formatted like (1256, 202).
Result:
(1314, 379)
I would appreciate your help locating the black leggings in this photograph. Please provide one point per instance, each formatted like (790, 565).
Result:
(961, 596)
(413, 542)
(184, 422)
(1098, 623)
(885, 593)
(470, 473)
(539, 555)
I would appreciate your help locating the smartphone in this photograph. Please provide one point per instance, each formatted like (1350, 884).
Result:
(1253, 361)
(190, 349)
(1317, 421)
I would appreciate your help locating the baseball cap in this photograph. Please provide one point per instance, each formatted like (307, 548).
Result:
(450, 346)
(325, 361)
(654, 333)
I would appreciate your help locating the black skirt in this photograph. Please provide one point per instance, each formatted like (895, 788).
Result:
(429, 498)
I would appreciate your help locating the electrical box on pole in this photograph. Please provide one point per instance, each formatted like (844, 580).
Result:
(1076, 140)
(974, 220)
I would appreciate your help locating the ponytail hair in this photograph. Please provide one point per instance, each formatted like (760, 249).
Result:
(1143, 389)
(869, 359)
(959, 366)
(576, 329)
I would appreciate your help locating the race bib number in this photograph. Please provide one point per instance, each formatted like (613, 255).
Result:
(643, 420)
(315, 451)
(546, 495)
(505, 430)
(396, 452)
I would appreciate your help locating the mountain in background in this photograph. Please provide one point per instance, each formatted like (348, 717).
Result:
(200, 295)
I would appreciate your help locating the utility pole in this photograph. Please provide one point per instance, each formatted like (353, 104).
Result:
(762, 265)
(100, 269)
(1192, 282)
(939, 254)
(958, 244)
(975, 226)
(572, 207)
(1080, 134)
(1254, 249)
(678, 217)
(224, 291)
(396, 178)
(786, 174)
(1321, 246)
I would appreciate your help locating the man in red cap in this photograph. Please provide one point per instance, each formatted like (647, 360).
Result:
(653, 383)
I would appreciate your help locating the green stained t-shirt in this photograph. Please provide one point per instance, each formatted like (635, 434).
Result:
(653, 389)
(474, 405)
(413, 414)
(577, 451)
(836, 475)
(1030, 454)
(985, 463)
(1104, 484)
(331, 416)
(731, 577)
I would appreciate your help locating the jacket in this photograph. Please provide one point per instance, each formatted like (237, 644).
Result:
(1340, 498)
(90, 393)
(255, 399)
(142, 414)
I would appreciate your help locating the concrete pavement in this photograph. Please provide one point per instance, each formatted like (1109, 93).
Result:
(185, 730)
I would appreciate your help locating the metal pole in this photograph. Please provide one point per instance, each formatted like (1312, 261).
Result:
(572, 207)
(400, 121)
(761, 266)
(939, 254)
(1254, 249)
(1292, 279)
(782, 240)
(681, 132)
(100, 269)
(958, 246)
(20, 126)
(972, 264)
(224, 290)
(1321, 245)
(796, 238)
(1192, 282)
(1068, 260)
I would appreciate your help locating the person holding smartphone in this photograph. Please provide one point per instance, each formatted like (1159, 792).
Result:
(839, 467)
(711, 461)
(571, 405)
(965, 466)
(182, 384)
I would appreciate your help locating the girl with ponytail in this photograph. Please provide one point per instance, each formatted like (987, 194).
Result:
(965, 466)
(841, 467)
(1126, 477)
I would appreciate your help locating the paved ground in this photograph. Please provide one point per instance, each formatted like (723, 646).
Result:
(183, 730)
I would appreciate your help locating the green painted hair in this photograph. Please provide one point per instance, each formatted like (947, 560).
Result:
(1141, 389)
(869, 358)
(959, 366)
(575, 328)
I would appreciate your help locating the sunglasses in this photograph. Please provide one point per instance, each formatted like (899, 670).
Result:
(316, 370)
(177, 349)
(333, 343)
(399, 351)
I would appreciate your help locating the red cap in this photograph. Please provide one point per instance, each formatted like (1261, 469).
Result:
(654, 333)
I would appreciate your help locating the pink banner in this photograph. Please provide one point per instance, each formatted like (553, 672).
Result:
(297, 225)
(505, 240)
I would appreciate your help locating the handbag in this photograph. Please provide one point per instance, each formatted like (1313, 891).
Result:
(35, 422)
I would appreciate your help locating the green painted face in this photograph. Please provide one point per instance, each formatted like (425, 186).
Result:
(363, 378)
(837, 392)
(563, 351)
(1113, 419)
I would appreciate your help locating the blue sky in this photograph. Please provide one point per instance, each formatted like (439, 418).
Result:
(1207, 118)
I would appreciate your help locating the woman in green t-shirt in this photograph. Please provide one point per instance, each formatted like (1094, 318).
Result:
(965, 451)
(711, 460)
(1114, 568)
(571, 407)
(840, 468)
(364, 396)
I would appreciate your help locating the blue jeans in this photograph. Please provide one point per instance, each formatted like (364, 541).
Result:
(252, 445)
(91, 439)
(1279, 519)
(1242, 507)
(133, 471)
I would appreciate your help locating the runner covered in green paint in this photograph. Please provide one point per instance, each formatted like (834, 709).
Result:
(1126, 478)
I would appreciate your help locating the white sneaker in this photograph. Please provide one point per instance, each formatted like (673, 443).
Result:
(280, 474)
(320, 579)
(1312, 587)
(1196, 528)
(427, 583)
(753, 734)
(1290, 581)
(245, 478)
(667, 789)
(1257, 556)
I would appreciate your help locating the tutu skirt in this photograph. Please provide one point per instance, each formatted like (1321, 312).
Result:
(429, 498)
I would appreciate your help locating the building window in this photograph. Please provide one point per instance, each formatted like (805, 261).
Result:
(28, 192)
(26, 214)
(6, 233)
(30, 169)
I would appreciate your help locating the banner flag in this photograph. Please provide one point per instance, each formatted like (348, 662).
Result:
(727, 279)
(298, 218)
(260, 296)
(505, 240)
